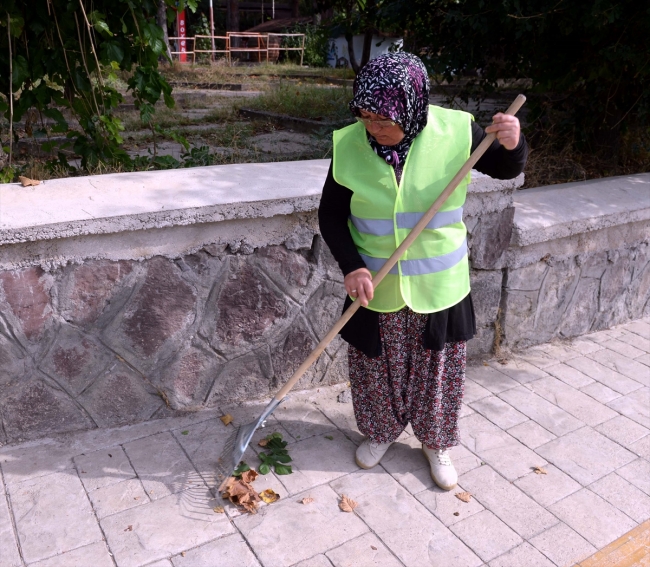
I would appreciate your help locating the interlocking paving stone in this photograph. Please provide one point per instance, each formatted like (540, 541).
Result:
(606, 335)
(303, 419)
(579, 405)
(638, 473)
(600, 392)
(102, 468)
(162, 465)
(486, 535)
(499, 412)
(584, 346)
(548, 415)
(637, 341)
(641, 447)
(641, 328)
(636, 406)
(623, 430)
(570, 375)
(519, 370)
(9, 555)
(548, 488)
(474, 391)
(559, 350)
(531, 434)
(53, 515)
(318, 460)
(321, 525)
(444, 505)
(342, 414)
(562, 545)
(592, 517)
(585, 455)
(645, 359)
(509, 503)
(623, 365)
(94, 554)
(617, 382)
(538, 357)
(229, 551)
(161, 563)
(621, 346)
(490, 378)
(417, 536)
(118, 497)
(164, 527)
(524, 555)
(316, 561)
(503, 452)
(624, 496)
(365, 551)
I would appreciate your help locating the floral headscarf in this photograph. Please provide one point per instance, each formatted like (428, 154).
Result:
(394, 85)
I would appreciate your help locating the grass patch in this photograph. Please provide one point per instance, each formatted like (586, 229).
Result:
(305, 101)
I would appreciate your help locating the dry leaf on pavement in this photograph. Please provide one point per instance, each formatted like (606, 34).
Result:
(226, 419)
(218, 509)
(129, 528)
(307, 500)
(373, 548)
(241, 493)
(346, 504)
(464, 496)
(26, 181)
(539, 470)
(269, 496)
(263, 442)
(249, 475)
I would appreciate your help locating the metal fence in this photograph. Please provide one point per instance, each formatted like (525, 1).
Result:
(266, 45)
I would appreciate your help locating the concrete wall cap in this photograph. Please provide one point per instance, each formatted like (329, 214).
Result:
(559, 211)
(120, 202)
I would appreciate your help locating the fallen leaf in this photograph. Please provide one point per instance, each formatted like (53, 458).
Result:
(307, 500)
(182, 554)
(26, 181)
(111, 456)
(463, 496)
(330, 437)
(186, 432)
(263, 442)
(539, 470)
(269, 496)
(373, 547)
(129, 529)
(84, 472)
(218, 509)
(136, 498)
(249, 475)
(226, 419)
(456, 513)
(346, 504)
(241, 493)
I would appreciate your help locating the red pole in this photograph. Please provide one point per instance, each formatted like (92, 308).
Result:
(181, 25)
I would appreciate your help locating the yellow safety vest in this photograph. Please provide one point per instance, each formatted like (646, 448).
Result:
(433, 274)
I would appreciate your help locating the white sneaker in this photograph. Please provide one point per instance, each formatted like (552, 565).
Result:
(370, 453)
(443, 472)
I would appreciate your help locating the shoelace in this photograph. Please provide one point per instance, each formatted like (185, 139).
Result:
(443, 457)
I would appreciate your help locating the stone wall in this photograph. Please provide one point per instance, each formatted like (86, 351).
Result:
(579, 260)
(133, 296)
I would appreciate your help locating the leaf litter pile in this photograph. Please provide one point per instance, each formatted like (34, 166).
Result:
(238, 488)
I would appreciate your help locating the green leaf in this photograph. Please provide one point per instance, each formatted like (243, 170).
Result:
(283, 458)
(283, 469)
(99, 23)
(186, 432)
(111, 52)
(264, 469)
(242, 467)
(329, 437)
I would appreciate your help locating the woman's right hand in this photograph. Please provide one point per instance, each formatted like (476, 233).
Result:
(358, 285)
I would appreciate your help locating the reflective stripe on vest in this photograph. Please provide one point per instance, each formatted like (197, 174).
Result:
(421, 266)
(384, 227)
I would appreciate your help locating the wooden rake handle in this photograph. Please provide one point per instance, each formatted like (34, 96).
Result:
(415, 232)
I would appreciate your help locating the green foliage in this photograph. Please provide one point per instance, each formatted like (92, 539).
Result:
(276, 456)
(202, 28)
(316, 44)
(242, 467)
(61, 52)
(587, 61)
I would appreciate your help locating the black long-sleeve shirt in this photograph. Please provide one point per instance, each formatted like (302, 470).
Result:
(454, 324)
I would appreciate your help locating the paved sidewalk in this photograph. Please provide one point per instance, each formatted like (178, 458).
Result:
(144, 495)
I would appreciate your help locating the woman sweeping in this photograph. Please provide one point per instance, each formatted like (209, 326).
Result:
(407, 344)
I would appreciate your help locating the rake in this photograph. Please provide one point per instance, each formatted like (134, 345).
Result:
(237, 443)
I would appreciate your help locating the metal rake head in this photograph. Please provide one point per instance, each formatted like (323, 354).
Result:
(237, 443)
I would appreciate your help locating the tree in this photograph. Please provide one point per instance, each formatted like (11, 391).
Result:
(588, 62)
(64, 56)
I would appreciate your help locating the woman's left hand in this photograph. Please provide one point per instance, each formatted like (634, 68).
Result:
(507, 130)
